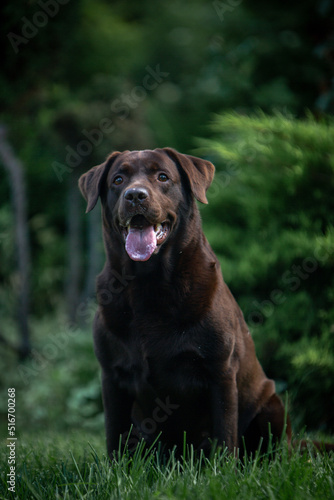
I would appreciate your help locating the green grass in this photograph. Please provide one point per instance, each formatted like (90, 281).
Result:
(74, 466)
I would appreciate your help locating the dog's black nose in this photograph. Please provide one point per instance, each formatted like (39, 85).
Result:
(136, 195)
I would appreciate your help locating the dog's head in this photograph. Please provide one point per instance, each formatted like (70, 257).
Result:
(142, 191)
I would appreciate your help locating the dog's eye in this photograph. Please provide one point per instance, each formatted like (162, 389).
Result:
(118, 180)
(162, 177)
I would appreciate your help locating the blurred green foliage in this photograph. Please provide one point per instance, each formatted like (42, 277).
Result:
(86, 77)
(270, 220)
(89, 63)
(58, 386)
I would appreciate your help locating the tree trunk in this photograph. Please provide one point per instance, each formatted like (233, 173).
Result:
(94, 251)
(74, 249)
(14, 168)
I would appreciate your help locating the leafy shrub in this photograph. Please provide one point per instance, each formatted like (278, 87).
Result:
(270, 220)
(58, 386)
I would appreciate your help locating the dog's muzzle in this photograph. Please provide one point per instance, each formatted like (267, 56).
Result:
(142, 238)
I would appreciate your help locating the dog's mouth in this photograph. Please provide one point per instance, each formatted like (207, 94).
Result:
(142, 238)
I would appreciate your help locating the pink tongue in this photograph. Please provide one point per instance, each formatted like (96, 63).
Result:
(141, 243)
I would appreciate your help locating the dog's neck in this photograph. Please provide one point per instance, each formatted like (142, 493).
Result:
(182, 277)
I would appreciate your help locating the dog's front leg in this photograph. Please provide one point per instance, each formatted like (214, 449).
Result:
(117, 413)
(224, 408)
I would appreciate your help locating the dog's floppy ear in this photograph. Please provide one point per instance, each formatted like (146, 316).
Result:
(91, 182)
(199, 172)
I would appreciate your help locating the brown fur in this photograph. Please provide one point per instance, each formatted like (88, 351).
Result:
(175, 351)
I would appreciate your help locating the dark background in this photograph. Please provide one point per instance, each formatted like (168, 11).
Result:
(246, 84)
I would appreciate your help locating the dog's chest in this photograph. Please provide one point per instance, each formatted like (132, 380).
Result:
(163, 360)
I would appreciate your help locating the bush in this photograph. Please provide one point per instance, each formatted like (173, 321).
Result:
(58, 386)
(272, 200)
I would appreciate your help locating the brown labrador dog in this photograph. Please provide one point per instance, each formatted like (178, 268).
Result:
(176, 354)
